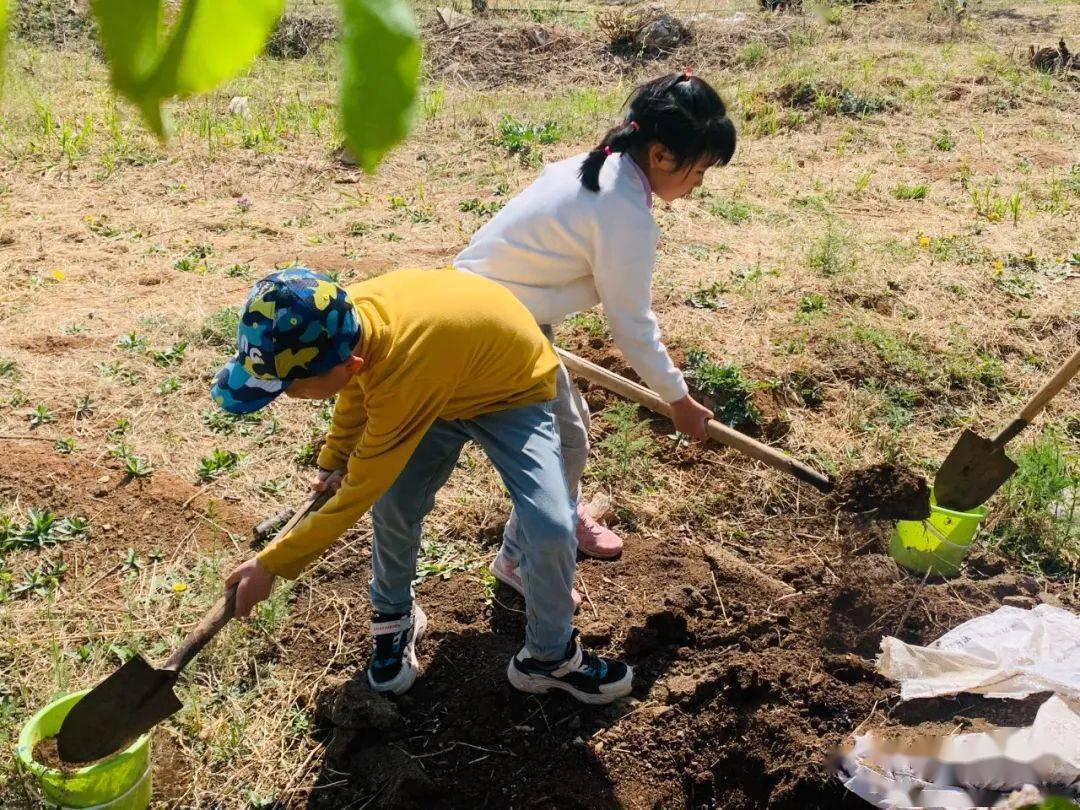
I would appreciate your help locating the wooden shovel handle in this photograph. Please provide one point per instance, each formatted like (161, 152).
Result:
(717, 431)
(1035, 405)
(225, 608)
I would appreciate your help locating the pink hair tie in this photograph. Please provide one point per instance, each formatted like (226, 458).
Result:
(607, 151)
(633, 125)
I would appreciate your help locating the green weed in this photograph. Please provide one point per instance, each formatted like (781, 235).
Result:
(943, 141)
(220, 328)
(172, 356)
(137, 467)
(438, 559)
(167, 386)
(814, 302)
(830, 254)
(752, 53)
(1039, 507)
(41, 416)
(518, 137)
(732, 210)
(913, 192)
(708, 296)
(65, 446)
(626, 449)
(482, 209)
(593, 324)
(225, 423)
(218, 462)
(729, 390)
(131, 342)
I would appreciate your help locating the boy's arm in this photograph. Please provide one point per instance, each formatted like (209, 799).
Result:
(350, 416)
(622, 273)
(390, 435)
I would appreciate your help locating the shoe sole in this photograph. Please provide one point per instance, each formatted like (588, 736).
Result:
(598, 556)
(509, 583)
(410, 670)
(539, 685)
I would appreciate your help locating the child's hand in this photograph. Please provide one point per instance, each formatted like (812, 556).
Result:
(690, 417)
(327, 480)
(254, 584)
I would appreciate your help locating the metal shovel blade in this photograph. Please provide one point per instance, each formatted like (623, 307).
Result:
(126, 704)
(972, 472)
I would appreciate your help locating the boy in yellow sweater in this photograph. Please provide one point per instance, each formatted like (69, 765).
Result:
(423, 361)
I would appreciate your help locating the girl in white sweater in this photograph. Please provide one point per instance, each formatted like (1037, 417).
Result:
(583, 234)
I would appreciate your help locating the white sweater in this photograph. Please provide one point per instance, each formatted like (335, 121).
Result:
(561, 249)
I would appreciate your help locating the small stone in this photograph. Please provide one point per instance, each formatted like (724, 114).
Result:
(1019, 601)
(239, 106)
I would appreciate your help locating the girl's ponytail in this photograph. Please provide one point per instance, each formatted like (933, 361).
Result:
(680, 111)
(619, 139)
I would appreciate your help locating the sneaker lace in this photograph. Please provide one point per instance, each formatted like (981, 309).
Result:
(592, 665)
(388, 647)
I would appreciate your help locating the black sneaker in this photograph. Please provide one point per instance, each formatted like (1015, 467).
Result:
(587, 677)
(393, 666)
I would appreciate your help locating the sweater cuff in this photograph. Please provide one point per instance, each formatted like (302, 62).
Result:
(330, 460)
(273, 560)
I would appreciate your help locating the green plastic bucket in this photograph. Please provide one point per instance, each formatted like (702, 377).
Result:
(938, 544)
(122, 782)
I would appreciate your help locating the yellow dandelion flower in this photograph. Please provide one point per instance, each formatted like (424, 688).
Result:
(179, 587)
(999, 264)
(57, 274)
(924, 241)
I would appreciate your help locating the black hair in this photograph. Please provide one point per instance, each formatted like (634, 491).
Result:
(680, 111)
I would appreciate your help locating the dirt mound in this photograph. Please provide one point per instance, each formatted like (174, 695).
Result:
(885, 492)
(491, 54)
(297, 35)
(53, 22)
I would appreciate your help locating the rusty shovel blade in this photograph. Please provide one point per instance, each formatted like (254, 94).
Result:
(126, 704)
(973, 471)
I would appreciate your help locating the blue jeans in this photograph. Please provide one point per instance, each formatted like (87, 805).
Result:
(523, 444)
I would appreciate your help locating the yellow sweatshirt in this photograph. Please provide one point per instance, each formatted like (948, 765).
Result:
(437, 344)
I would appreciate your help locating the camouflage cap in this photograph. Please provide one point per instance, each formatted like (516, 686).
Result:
(296, 323)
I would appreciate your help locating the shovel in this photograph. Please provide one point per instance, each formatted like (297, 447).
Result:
(976, 467)
(137, 696)
(717, 431)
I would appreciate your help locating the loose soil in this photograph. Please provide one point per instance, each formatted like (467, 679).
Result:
(47, 752)
(884, 491)
(753, 659)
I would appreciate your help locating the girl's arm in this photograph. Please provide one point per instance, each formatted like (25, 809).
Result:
(622, 272)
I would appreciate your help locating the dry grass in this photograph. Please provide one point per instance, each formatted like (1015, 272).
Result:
(934, 296)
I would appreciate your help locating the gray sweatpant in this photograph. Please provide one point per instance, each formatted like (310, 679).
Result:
(572, 416)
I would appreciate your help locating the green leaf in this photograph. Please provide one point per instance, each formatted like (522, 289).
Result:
(210, 42)
(380, 75)
(129, 36)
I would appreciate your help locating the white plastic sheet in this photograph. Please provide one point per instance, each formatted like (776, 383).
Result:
(1010, 653)
(968, 770)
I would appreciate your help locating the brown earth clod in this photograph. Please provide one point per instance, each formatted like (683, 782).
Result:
(885, 492)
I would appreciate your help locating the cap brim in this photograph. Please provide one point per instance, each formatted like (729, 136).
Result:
(237, 391)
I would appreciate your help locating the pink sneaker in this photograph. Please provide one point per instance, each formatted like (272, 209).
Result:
(595, 539)
(507, 574)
